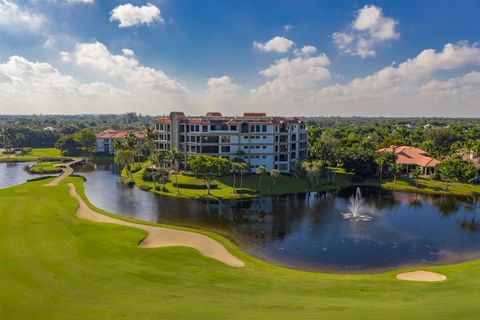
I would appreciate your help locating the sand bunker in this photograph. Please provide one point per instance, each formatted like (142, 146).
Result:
(163, 237)
(421, 275)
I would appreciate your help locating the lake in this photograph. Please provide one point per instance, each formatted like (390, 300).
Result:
(307, 231)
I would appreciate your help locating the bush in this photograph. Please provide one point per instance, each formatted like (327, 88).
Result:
(195, 186)
(136, 167)
(40, 178)
(145, 187)
(27, 150)
(161, 188)
(436, 176)
(128, 182)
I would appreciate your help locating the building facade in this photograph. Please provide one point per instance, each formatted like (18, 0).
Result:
(105, 139)
(260, 140)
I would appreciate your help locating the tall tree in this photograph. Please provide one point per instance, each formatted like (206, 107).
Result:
(260, 171)
(275, 174)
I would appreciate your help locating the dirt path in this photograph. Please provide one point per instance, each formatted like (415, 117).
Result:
(421, 275)
(163, 237)
(67, 171)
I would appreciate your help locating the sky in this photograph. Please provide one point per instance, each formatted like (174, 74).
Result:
(293, 58)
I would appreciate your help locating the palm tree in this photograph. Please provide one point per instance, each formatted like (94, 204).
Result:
(158, 158)
(150, 137)
(275, 174)
(124, 158)
(235, 170)
(260, 171)
(175, 157)
(244, 168)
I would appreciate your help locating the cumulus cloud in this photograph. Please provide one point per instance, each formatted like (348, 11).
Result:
(128, 52)
(97, 56)
(129, 15)
(276, 44)
(408, 89)
(43, 88)
(369, 29)
(290, 75)
(15, 18)
(222, 93)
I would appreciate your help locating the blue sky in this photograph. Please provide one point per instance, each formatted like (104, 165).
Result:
(390, 58)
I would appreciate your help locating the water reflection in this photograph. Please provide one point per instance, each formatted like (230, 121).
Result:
(307, 231)
(13, 173)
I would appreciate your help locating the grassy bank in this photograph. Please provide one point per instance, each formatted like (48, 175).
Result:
(33, 155)
(45, 167)
(252, 186)
(56, 266)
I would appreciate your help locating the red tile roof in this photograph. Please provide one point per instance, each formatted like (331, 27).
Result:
(254, 114)
(118, 134)
(411, 156)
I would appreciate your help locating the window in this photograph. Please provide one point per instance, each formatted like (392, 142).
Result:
(233, 128)
(225, 139)
(204, 128)
(197, 128)
(210, 139)
(225, 149)
(264, 128)
(182, 128)
(264, 147)
(244, 128)
(209, 149)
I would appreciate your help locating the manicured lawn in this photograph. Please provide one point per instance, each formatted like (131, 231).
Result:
(34, 155)
(57, 266)
(284, 184)
(427, 186)
(46, 167)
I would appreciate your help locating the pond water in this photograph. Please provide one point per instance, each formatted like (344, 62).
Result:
(13, 173)
(307, 231)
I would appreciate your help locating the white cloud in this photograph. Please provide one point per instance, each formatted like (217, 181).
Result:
(369, 29)
(39, 87)
(129, 15)
(406, 90)
(128, 52)
(288, 27)
(17, 19)
(293, 75)
(276, 44)
(222, 93)
(96, 56)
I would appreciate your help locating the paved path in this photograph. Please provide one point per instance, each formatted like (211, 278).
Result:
(67, 171)
(163, 237)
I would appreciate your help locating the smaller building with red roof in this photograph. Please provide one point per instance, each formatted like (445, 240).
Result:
(105, 139)
(411, 157)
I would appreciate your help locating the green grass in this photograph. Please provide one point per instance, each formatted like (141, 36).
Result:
(45, 167)
(34, 155)
(426, 186)
(285, 184)
(57, 266)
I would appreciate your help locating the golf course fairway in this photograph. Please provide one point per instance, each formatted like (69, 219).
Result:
(54, 265)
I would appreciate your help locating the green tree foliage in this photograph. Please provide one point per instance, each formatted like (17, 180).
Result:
(260, 171)
(360, 160)
(125, 158)
(208, 168)
(69, 145)
(454, 168)
(274, 174)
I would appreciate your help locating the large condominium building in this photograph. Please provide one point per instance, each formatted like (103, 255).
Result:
(261, 140)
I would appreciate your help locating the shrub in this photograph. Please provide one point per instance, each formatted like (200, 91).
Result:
(128, 182)
(136, 167)
(145, 187)
(357, 179)
(27, 150)
(194, 186)
(436, 176)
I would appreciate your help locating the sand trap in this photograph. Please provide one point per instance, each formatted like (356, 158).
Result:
(67, 171)
(163, 237)
(421, 275)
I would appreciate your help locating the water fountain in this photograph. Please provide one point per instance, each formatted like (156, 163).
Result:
(356, 208)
